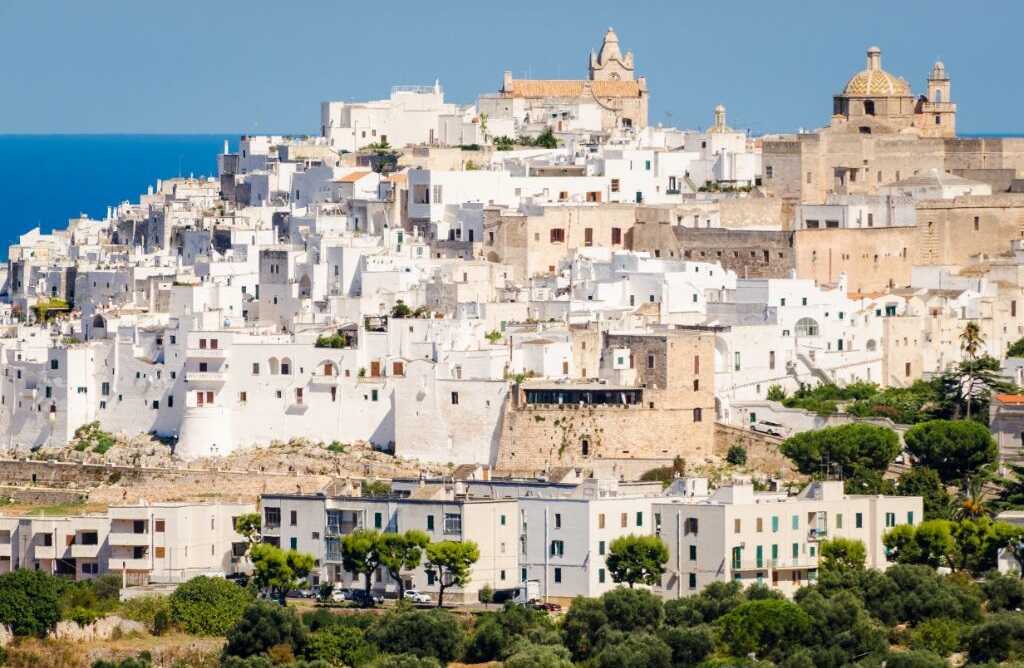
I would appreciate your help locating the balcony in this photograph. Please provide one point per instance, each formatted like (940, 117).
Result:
(814, 535)
(118, 564)
(324, 380)
(799, 563)
(208, 353)
(130, 539)
(205, 377)
(44, 551)
(84, 551)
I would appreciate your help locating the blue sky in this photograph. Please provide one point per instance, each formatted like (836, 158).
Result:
(256, 66)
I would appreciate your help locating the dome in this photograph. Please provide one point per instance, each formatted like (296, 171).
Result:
(876, 82)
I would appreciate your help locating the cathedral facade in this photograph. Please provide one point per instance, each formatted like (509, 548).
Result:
(612, 86)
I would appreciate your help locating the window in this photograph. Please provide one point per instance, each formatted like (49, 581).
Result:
(503, 520)
(452, 523)
(768, 171)
(736, 360)
(54, 364)
(615, 185)
(455, 398)
(890, 520)
(796, 550)
(293, 518)
(378, 520)
(600, 520)
(759, 525)
(639, 519)
(771, 359)
(910, 517)
(616, 235)
(736, 525)
(430, 522)
(557, 548)
(160, 552)
(623, 520)
(293, 542)
(737, 557)
(796, 522)
(557, 235)
(272, 517)
(242, 397)
(692, 580)
(558, 520)
(858, 520)
(759, 556)
(690, 527)
(159, 526)
(839, 520)
(600, 547)
(600, 575)
(558, 574)
(693, 553)
(588, 236)
(255, 368)
(650, 361)
(698, 414)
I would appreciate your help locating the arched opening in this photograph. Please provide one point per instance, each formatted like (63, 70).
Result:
(99, 323)
(286, 366)
(275, 366)
(305, 287)
(938, 95)
(327, 368)
(806, 327)
(869, 107)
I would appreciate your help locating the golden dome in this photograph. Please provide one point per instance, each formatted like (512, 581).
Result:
(876, 82)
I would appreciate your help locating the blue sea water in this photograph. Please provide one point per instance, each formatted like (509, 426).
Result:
(47, 179)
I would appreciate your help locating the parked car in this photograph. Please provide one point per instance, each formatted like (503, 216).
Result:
(417, 596)
(770, 428)
(300, 593)
(359, 597)
(547, 607)
(341, 594)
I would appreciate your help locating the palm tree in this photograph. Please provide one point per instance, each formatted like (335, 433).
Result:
(971, 339)
(972, 499)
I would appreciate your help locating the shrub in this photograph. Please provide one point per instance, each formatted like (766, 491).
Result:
(263, 626)
(632, 609)
(1003, 592)
(344, 645)
(147, 609)
(29, 602)
(208, 606)
(528, 655)
(775, 393)
(690, 645)
(941, 636)
(914, 659)
(998, 639)
(424, 633)
(582, 627)
(406, 661)
(637, 650)
(769, 627)
(737, 455)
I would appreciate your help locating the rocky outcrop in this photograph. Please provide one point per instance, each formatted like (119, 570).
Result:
(102, 629)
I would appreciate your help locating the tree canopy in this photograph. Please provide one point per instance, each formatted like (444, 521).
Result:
(452, 560)
(637, 559)
(955, 449)
(850, 447)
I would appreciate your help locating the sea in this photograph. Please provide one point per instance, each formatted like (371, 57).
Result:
(47, 179)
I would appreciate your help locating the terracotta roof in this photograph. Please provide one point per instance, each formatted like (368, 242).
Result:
(1017, 399)
(352, 177)
(571, 88)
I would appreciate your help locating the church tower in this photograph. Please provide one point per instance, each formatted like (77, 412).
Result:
(609, 64)
(936, 113)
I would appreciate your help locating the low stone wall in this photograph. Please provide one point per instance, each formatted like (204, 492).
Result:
(42, 496)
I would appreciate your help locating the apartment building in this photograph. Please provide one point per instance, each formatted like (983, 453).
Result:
(145, 543)
(738, 534)
(317, 525)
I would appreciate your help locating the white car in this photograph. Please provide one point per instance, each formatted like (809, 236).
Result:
(770, 428)
(416, 596)
(341, 594)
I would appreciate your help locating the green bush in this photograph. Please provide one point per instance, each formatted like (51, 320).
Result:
(999, 638)
(737, 455)
(406, 661)
(208, 606)
(769, 627)
(29, 602)
(147, 610)
(263, 626)
(637, 650)
(1003, 592)
(941, 636)
(914, 659)
(340, 645)
(425, 633)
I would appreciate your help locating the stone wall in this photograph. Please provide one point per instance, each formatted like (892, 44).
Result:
(762, 450)
(538, 439)
(750, 253)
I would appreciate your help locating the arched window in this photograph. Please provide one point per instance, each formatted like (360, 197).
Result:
(806, 327)
(938, 95)
(99, 322)
(286, 366)
(305, 287)
(275, 366)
